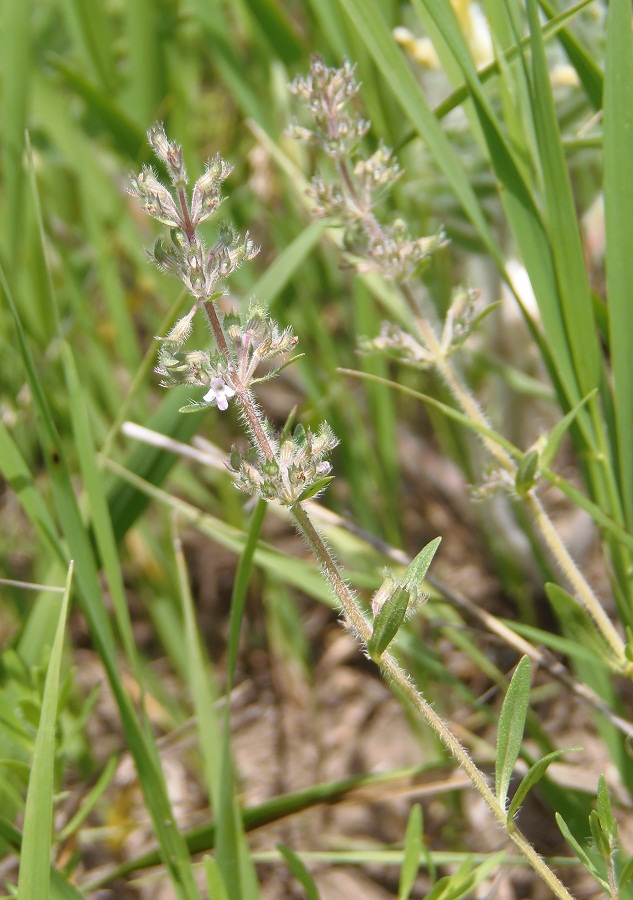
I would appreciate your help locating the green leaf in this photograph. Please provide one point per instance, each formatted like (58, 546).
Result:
(600, 839)
(415, 572)
(607, 822)
(532, 777)
(586, 66)
(17, 53)
(560, 429)
(194, 406)
(301, 873)
(316, 488)
(90, 800)
(577, 623)
(527, 472)
(287, 263)
(388, 622)
(627, 872)
(215, 882)
(393, 611)
(463, 882)
(412, 853)
(562, 222)
(584, 857)
(35, 866)
(511, 726)
(618, 209)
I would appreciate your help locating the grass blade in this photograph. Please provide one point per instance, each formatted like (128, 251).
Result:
(587, 68)
(412, 853)
(300, 871)
(15, 44)
(99, 513)
(215, 882)
(576, 303)
(233, 860)
(140, 743)
(618, 200)
(35, 867)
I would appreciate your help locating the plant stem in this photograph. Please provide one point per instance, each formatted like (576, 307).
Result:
(469, 406)
(396, 675)
(362, 628)
(246, 402)
(576, 578)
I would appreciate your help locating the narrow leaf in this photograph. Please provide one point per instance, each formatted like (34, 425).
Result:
(607, 822)
(618, 202)
(627, 872)
(575, 846)
(511, 726)
(299, 870)
(533, 776)
(412, 853)
(562, 222)
(215, 882)
(388, 622)
(560, 429)
(35, 868)
(416, 571)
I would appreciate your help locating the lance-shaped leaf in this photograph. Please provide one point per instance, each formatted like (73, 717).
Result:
(560, 429)
(413, 850)
(415, 572)
(511, 725)
(301, 873)
(388, 621)
(533, 776)
(582, 855)
(393, 611)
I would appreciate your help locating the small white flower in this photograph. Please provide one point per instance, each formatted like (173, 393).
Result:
(219, 392)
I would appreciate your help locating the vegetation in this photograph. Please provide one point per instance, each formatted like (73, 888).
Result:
(182, 715)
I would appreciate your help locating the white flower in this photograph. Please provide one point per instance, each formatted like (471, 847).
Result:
(219, 392)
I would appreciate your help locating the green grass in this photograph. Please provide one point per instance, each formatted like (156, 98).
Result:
(507, 157)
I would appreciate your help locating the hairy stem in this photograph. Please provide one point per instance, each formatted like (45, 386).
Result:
(393, 673)
(244, 397)
(469, 406)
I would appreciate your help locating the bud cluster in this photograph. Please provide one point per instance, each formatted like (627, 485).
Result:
(361, 182)
(251, 340)
(299, 470)
(201, 269)
(254, 339)
(184, 254)
(461, 319)
(287, 468)
(197, 367)
(327, 92)
(396, 254)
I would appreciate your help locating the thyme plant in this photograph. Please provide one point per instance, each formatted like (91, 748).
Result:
(290, 468)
